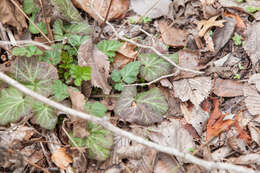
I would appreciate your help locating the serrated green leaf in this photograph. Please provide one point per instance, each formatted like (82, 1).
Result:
(67, 10)
(19, 51)
(13, 106)
(58, 30)
(36, 75)
(237, 39)
(130, 71)
(44, 116)
(152, 66)
(41, 25)
(60, 90)
(52, 56)
(109, 47)
(28, 6)
(79, 28)
(119, 86)
(27, 51)
(80, 73)
(145, 108)
(77, 40)
(96, 109)
(99, 142)
(116, 76)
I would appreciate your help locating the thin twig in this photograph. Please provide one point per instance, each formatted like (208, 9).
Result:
(155, 80)
(146, 47)
(106, 124)
(46, 23)
(21, 10)
(24, 42)
(104, 22)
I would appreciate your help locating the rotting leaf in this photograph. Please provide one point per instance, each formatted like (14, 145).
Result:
(13, 106)
(195, 90)
(166, 164)
(205, 25)
(99, 142)
(154, 8)
(172, 36)
(152, 66)
(36, 75)
(117, 11)
(145, 108)
(252, 100)
(89, 55)
(128, 50)
(61, 158)
(216, 123)
(45, 116)
(255, 79)
(227, 88)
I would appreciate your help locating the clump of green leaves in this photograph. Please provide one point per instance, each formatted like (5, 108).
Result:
(80, 73)
(237, 76)
(27, 51)
(109, 47)
(52, 56)
(60, 90)
(237, 39)
(128, 74)
(251, 9)
(32, 9)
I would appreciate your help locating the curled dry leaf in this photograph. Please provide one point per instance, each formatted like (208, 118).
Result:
(255, 79)
(166, 164)
(239, 22)
(145, 108)
(252, 42)
(151, 8)
(205, 25)
(172, 36)
(195, 90)
(168, 133)
(12, 16)
(209, 42)
(254, 132)
(89, 55)
(61, 158)
(252, 99)
(227, 88)
(117, 11)
(79, 124)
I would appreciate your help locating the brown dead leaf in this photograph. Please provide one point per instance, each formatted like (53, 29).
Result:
(252, 42)
(239, 22)
(255, 79)
(195, 89)
(209, 42)
(10, 15)
(117, 10)
(254, 132)
(216, 123)
(205, 25)
(172, 36)
(61, 158)
(89, 55)
(252, 99)
(79, 124)
(120, 61)
(128, 50)
(166, 164)
(242, 133)
(227, 88)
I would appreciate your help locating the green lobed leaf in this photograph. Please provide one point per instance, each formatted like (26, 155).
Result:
(60, 90)
(152, 66)
(80, 73)
(109, 47)
(119, 86)
(145, 108)
(19, 51)
(130, 71)
(28, 6)
(58, 30)
(237, 39)
(36, 75)
(45, 116)
(99, 142)
(52, 56)
(96, 109)
(116, 76)
(79, 28)
(41, 25)
(27, 51)
(77, 40)
(13, 106)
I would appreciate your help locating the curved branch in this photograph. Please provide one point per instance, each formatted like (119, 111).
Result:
(106, 124)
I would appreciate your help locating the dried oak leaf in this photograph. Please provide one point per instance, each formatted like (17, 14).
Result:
(205, 25)
(168, 133)
(228, 88)
(195, 90)
(151, 8)
(117, 10)
(216, 123)
(239, 22)
(172, 36)
(61, 158)
(12, 16)
(89, 55)
(252, 99)
(144, 108)
(252, 42)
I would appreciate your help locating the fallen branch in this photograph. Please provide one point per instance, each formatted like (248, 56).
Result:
(23, 42)
(106, 124)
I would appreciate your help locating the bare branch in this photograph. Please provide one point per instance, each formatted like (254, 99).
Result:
(106, 124)
(22, 42)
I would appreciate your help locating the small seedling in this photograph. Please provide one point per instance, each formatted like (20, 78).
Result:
(240, 66)
(251, 9)
(237, 39)
(240, 1)
(237, 76)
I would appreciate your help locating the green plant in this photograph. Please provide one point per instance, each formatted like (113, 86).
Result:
(237, 39)
(79, 73)
(134, 20)
(128, 74)
(240, 1)
(251, 9)
(52, 56)
(109, 47)
(60, 90)
(146, 19)
(237, 76)
(27, 51)
(240, 66)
